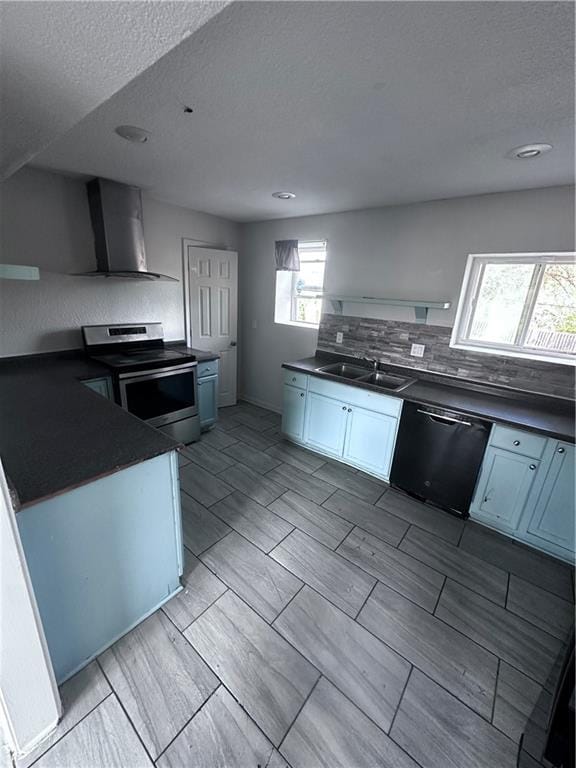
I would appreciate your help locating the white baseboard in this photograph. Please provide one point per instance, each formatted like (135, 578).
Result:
(261, 403)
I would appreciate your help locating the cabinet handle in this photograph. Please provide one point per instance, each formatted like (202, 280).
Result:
(301, 394)
(516, 442)
(343, 407)
(532, 467)
(293, 378)
(349, 410)
(561, 450)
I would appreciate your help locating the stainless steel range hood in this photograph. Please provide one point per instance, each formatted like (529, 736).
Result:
(116, 214)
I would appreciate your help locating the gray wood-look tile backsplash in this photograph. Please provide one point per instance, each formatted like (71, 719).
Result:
(390, 342)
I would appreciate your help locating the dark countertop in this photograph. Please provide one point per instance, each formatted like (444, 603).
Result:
(56, 434)
(552, 416)
(201, 355)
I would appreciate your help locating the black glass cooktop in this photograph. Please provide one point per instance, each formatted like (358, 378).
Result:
(140, 359)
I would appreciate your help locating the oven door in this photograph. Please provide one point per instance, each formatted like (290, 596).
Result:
(161, 396)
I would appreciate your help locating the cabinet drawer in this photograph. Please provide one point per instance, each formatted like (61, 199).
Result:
(295, 379)
(518, 441)
(364, 398)
(207, 368)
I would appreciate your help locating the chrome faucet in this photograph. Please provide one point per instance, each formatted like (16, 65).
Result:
(374, 362)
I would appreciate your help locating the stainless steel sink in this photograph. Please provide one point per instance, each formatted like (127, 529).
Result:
(381, 379)
(387, 381)
(345, 370)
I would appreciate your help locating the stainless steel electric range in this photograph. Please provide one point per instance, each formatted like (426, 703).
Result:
(155, 383)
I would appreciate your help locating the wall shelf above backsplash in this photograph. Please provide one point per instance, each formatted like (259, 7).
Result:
(420, 307)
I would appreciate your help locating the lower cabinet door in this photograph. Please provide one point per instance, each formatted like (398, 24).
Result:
(293, 409)
(554, 513)
(207, 400)
(370, 440)
(503, 489)
(325, 424)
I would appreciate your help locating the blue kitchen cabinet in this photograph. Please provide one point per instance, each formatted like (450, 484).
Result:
(370, 438)
(503, 488)
(208, 401)
(294, 408)
(102, 386)
(357, 426)
(103, 557)
(526, 490)
(208, 393)
(325, 424)
(551, 523)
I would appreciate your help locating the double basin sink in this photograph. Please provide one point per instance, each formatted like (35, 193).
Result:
(380, 379)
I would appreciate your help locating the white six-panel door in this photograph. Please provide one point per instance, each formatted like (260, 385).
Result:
(213, 300)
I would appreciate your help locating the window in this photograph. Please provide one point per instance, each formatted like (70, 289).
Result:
(520, 305)
(299, 294)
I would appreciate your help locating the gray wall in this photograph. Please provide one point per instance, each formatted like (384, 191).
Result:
(412, 251)
(44, 221)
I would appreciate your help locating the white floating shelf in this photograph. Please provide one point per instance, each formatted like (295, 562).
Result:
(18, 272)
(420, 307)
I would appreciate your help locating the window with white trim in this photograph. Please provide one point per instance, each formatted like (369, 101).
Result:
(299, 294)
(519, 305)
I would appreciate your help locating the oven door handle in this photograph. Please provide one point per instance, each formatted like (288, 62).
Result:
(157, 373)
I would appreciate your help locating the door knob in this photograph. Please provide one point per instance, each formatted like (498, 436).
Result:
(532, 467)
(561, 450)
(516, 442)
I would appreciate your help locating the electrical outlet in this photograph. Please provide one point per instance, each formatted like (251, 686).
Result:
(339, 337)
(417, 350)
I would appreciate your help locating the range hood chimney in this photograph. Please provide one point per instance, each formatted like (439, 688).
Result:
(116, 215)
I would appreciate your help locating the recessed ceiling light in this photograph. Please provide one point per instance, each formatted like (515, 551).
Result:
(284, 195)
(529, 151)
(133, 133)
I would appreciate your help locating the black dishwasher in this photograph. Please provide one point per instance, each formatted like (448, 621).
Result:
(438, 455)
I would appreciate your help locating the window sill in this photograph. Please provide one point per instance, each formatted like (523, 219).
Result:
(502, 352)
(295, 324)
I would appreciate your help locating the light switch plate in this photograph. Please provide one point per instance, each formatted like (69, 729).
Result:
(417, 350)
(339, 337)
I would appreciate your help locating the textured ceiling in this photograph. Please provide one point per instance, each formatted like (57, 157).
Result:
(60, 60)
(349, 105)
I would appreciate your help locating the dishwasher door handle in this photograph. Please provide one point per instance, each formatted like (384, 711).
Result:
(451, 419)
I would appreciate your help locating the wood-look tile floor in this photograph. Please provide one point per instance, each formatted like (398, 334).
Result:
(325, 621)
